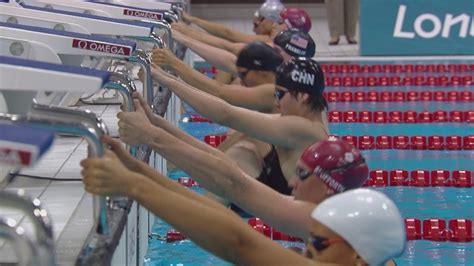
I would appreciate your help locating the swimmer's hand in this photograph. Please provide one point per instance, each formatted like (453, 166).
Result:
(186, 17)
(148, 111)
(179, 26)
(118, 148)
(107, 175)
(134, 126)
(163, 57)
(160, 75)
(141, 75)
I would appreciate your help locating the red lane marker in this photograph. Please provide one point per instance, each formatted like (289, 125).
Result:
(419, 178)
(398, 96)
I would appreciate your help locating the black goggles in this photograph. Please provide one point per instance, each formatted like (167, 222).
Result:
(321, 243)
(279, 94)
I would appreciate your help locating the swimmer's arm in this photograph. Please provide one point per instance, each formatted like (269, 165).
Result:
(195, 78)
(266, 203)
(280, 211)
(284, 131)
(219, 231)
(161, 123)
(258, 98)
(144, 169)
(212, 40)
(217, 57)
(209, 169)
(175, 131)
(224, 178)
(227, 33)
(167, 183)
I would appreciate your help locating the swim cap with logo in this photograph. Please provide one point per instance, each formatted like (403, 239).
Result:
(337, 163)
(301, 74)
(296, 43)
(259, 56)
(368, 220)
(271, 9)
(296, 18)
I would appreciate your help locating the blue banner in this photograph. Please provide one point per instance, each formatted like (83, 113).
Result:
(416, 27)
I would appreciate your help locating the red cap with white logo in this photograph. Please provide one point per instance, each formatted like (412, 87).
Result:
(337, 163)
(296, 18)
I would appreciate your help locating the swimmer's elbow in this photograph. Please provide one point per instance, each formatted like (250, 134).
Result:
(232, 246)
(241, 256)
(219, 92)
(224, 114)
(232, 186)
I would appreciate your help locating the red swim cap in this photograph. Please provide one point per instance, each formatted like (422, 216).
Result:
(296, 18)
(337, 163)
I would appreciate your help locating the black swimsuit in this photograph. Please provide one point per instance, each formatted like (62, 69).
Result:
(272, 175)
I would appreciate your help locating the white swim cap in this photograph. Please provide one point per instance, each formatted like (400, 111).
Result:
(368, 220)
(270, 9)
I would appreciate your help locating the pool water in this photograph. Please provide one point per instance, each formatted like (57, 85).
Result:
(414, 202)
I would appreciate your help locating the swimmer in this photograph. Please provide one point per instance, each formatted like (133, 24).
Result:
(361, 226)
(332, 238)
(323, 169)
(218, 52)
(265, 17)
(255, 66)
(299, 87)
(289, 43)
(289, 18)
(262, 26)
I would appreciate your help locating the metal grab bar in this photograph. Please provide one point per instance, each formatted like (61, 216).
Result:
(167, 27)
(70, 122)
(139, 57)
(75, 123)
(23, 246)
(92, 129)
(45, 255)
(180, 4)
(171, 16)
(125, 86)
(143, 59)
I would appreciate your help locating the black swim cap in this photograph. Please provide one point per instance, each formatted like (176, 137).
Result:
(259, 56)
(301, 74)
(296, 43)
